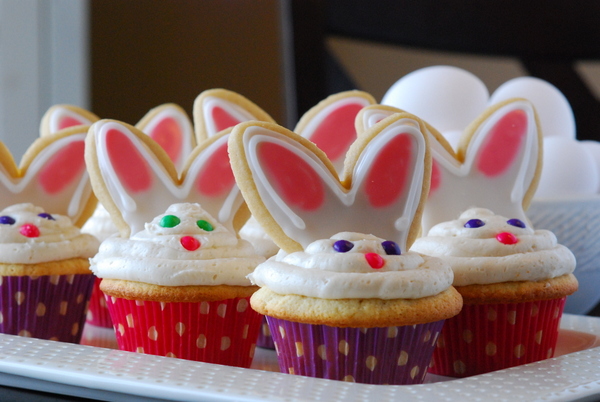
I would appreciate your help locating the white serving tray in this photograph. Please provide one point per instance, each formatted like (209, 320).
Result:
(109, 374)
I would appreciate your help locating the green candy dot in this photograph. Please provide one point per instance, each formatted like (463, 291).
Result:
(169, 221)
(202, 224)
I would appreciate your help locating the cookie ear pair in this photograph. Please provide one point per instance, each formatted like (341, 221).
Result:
(293, 188)
(497, 164)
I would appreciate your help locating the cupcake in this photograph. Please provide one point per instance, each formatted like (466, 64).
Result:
(179, 288)
(514, 281)
(343, 304)
(44, 271)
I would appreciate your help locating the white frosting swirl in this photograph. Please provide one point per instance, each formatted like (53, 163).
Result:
(157, 254)
(478, 257)
(253, 232)
(322, 272)
(100, 225)
(48, 237)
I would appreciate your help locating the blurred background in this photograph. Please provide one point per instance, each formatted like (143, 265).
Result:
(121, 58)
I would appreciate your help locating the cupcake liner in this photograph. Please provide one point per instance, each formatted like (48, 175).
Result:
(489, 337)
(98, 314)
(221, 332)
(49, 307)
(265, 340)
(390, 355)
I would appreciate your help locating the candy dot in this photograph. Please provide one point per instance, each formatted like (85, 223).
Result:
(343, 246)
(204, 225)
(375, 260)
(391, 247)
(190, 243)
(169, 221)
(474, 223)
(507, 238)
(516, 222)
(29, 230)
(7, 220)
(46, 216)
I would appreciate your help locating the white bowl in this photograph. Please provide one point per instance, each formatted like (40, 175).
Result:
(576, 223)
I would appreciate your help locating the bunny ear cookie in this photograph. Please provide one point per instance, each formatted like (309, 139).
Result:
(60, 117)
(218, 109)
(170, 126)
(135, 179)
(294, 191)
(330, 124)
(52, 175)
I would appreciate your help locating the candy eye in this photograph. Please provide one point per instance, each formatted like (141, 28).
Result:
(7, 220)
(474, 223)
(516, 222)
(391, 247)
(343, 246)
(46, 216)
(204, 225)
(169, 221)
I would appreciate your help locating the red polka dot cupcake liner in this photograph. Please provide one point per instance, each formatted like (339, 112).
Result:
(98, 314)
(221, 332)
(490, 337)
(49, 307)
(390, 355)
(265, 340)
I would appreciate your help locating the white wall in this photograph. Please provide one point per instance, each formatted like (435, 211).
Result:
(44, 57)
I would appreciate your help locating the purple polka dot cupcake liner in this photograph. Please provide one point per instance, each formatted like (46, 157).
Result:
(489, 337)
(220, 332)
(389, 355)
(47, 307)
(265, 340)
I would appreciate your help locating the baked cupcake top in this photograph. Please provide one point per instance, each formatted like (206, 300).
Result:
(184, 246)
(354, 265)
(484, 248)
(29, 235)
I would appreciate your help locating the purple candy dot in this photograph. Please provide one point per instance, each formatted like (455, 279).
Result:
(516, 222)
(7, 220)
(391, 247)
(46, 216)
(474, 223)
(343, 246)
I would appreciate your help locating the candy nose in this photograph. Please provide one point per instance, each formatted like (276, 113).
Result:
(29, 230)
(374, 260)
(507, 238)
(190, 243)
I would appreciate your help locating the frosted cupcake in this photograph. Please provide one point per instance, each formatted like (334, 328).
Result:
(179, 288)
(344, 299)
(514, 281)
(44, 273)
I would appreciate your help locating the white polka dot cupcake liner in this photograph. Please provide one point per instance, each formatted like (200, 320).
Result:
(390, 355)
(221, 332)
(98, 314)
(489, 337)
(47, 307)
(265, 340)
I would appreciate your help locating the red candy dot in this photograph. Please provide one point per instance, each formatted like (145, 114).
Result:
(29, 230)
(375, 260)
(507, 238)
(190, 243)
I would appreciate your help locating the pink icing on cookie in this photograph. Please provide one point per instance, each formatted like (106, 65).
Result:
(502, 144)
(391, 172)
(222, 119)
(167, 134)
(127, 162)
(69, 121)
(435, 177)
(216, 178)
(63, 168)
(295, 181)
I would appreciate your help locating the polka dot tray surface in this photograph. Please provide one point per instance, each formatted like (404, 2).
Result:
(105, 373)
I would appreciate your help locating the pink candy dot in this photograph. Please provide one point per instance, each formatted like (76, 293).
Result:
(375, 260)
(29, 230)
(507, 238)
(190, 243)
